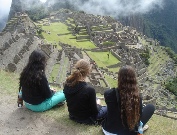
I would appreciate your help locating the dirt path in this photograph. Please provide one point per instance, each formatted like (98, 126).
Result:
(21, 121)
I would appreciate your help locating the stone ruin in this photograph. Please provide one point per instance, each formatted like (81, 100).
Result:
(15, 50)
(21, 23)
(124, 43)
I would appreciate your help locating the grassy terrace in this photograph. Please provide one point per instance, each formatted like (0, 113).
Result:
(69, 21)
(65, 36)
(101, 59)
(54, 72)
(112, 83)
(102, 83)
(63, 71)
(158, 125)
(157, 60)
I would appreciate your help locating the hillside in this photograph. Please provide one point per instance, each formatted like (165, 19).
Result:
(3, 22)
(72, 35)
(55, 121)
(158, 24)
(65, 36)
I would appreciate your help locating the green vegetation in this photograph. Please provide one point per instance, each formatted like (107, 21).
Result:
(54, 72)
(159, 125)
(162, 33)
(172, 54)
(172, 86)
(162, 24)
(9, 83)
(39, 32)
(37, 13)
(102, 83)
(108, 43)
(65, 36)
(145, 55)
(111, 81)
(101, 59)
(157, 59)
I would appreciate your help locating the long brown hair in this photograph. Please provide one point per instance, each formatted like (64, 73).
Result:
(81, 70)
(129, 96)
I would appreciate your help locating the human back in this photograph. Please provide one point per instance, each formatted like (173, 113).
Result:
(81, 97)
(33, 81)
(34, 86)
(124, 104)
(129, 97)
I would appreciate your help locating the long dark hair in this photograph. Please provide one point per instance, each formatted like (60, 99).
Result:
(81, 70)
(129, 96)
(34, 70)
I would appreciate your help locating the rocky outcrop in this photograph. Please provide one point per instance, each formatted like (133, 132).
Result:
(16, 6)
(134, 20)
(21, 6)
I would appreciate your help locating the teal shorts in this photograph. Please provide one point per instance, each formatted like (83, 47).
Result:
(48, 103)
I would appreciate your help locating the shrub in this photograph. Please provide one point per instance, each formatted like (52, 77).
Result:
(171, 86)
(172, 54)
(145, 56)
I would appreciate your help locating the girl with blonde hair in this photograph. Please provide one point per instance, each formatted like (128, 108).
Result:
(81, 98)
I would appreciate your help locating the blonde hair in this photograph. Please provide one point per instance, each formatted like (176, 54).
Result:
(81, 70)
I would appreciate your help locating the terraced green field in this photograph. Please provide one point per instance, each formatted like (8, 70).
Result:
(101, 59)
(112, 83)
(54, 73)
(157, 60)
(65, 36)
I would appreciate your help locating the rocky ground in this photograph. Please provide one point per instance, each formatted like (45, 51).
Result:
(21, 121)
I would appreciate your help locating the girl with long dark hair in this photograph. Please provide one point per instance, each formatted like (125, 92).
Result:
(124, 104)
(34, 85)
(81, 98)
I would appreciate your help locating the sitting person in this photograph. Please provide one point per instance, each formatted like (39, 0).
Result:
(124, 105)
(34, 86)
(81, 98)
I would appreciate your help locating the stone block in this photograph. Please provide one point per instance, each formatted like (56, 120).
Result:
(16, 59)
(11, 67)
(6, 45)
(17, 37)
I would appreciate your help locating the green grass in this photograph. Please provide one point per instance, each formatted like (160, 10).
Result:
(61, 115)
(158, 125)
(63, 71)
(112, 83)
(54, 72)
(157, 62)
(9, 82)
(102, 83)
(101, 59)
(66, 37)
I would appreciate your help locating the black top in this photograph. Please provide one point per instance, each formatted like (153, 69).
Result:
(81, 101)
(36, 94)
(113, 122)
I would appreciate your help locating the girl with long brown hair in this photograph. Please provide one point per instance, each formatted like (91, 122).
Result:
(80, 97)
(124, 104)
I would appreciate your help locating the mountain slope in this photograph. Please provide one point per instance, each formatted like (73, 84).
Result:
(160, 24)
